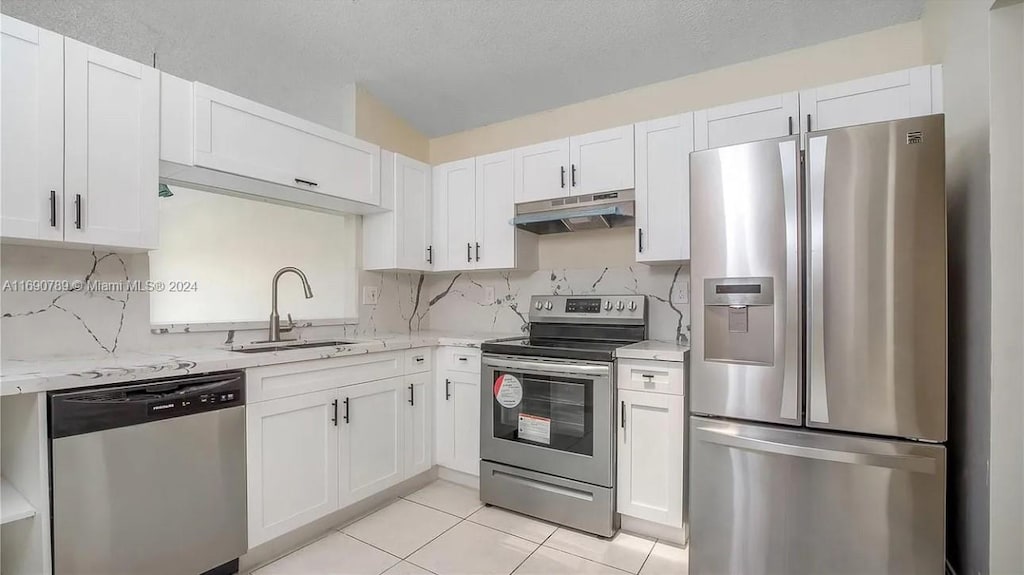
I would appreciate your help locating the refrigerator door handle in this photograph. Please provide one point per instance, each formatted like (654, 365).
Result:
(789, 154)
(912, 463)
(817, 392)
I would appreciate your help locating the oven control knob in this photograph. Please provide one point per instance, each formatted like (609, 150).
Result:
(547, 305)
(632, 306)
(537, 306)
(620, 306)
(608, 306)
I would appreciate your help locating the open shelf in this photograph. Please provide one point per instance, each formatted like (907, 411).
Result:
(13, 505)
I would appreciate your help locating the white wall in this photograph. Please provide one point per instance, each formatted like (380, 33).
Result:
(1007, 215)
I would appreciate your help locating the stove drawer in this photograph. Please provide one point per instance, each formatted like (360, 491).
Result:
(655, 376)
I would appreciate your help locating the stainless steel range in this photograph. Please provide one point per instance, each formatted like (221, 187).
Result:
(547, 438)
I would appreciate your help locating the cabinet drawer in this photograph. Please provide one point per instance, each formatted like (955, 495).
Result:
(656, 376)
(274, 381)
(418, 360)
(462, 359)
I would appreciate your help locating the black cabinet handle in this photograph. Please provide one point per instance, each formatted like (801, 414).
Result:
(78, 211)
(622, 413)
(419, 359)
(478, 251)
(641, 232)
(563, 176)
(412, 395)
(346, 410)
(447, 389)
(334, 418)
(469, 252)
(306, 182)
(574, 175)
(791, 125)
(808, 122)
(430, 254)
(53, 208)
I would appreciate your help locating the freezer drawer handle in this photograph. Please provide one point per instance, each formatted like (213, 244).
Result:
(913, 463)
(534, 484)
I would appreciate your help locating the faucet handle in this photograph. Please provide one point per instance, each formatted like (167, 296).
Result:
(291, 325)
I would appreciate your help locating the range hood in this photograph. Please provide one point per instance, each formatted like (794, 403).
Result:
(575, 213)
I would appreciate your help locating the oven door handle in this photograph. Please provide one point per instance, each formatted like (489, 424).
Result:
(538, 366)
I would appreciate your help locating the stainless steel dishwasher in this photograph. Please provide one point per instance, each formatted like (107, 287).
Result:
(149, 478)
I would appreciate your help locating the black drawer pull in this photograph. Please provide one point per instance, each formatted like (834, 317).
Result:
(306, 182)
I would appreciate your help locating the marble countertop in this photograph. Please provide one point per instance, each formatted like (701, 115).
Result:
(654, 350)
(38, 375)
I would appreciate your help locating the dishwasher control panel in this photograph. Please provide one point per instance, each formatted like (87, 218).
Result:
(100, 408)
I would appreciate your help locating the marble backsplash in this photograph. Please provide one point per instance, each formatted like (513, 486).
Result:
(36, 324)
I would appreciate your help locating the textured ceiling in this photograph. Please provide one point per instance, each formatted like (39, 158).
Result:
(450, 65)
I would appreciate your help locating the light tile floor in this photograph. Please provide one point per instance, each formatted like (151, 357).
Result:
(444, 529)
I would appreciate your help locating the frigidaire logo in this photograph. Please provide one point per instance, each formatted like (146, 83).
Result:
(914, 138)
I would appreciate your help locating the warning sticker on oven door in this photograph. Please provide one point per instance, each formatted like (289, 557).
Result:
(508, 391)
(536, 429)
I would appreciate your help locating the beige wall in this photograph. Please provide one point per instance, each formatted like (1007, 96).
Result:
(375, 122)
(884, 50)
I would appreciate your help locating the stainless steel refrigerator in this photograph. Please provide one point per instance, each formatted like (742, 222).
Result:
(818, 373)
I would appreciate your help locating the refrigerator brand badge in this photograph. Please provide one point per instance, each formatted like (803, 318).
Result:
(508, 390)
(914, 137)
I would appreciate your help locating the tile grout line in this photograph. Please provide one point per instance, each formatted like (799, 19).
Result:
(534, 551)
(601, 562)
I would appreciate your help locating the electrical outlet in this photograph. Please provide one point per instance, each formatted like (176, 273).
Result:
(682, 293)
(489, 294)
(371, 295)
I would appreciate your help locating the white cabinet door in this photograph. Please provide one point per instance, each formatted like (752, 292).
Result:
(291, 462)
(455, 186)
(458, 421)
(495, 208)
(242, 137)
(650, 463)
(371, 416)
(111, 148)
(541, 171)
(903, 94)
(413, 207)
(663, 188)
(419, 429)
(760, 119)
(601, 161)
(32, 102)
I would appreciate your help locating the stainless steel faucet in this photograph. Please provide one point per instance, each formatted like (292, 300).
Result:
(275, 320)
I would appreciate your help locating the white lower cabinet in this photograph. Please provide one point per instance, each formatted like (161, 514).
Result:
(419, 423)
(458, 411)
(651, 448)
(291, 463)
(371, 422)
(340, 440)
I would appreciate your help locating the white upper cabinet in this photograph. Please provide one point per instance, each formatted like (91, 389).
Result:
(601, 161)
(541, 171)
(401, 238)
(495, 206)
(663, 149)
(750, 121)
(902, 94)
(455, 227)
(239, 136)
(32, 102)
(111, 148)
(177, 123)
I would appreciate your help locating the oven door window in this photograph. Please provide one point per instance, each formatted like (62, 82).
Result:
(555, 412)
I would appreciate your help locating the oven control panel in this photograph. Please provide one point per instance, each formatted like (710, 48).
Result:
(562, 308)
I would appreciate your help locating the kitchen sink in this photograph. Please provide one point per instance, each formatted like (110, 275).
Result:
(265, 346)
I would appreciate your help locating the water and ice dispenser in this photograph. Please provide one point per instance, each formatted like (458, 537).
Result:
(739, 320)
